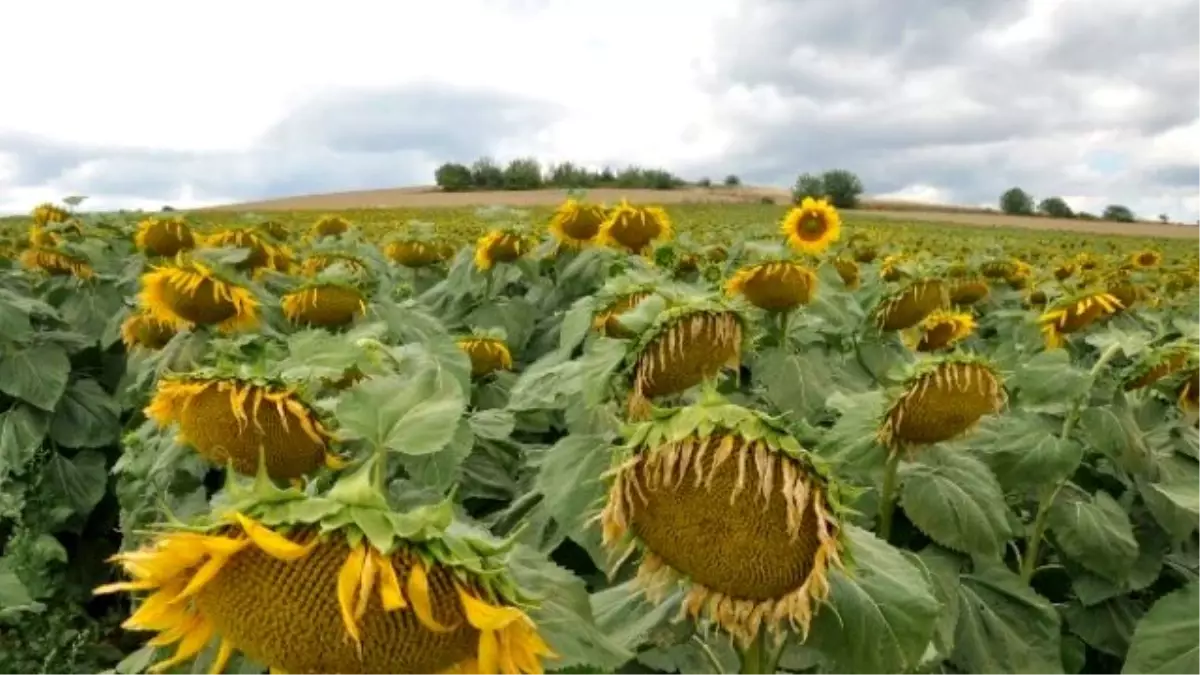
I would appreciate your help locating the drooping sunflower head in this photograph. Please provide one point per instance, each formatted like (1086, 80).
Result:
(142, 330)
(774, 285)
(263, 253)
(1035, 299)
(635, 228)
(1162, 363)
(608, 319)
(319, 262)
(907, 306)
(500, 246)
(327, 304)
(1189, 393)
(488, 353)
(998, 268)
(315, 595)
(413, 253)
(233, 421)
(943, 329)
(811, 226)
(892, 267)
(186, 293)
(575, 223)
(1064, 271)
(848, 270)
(1126, 290)
(274, 229)
(1074, 314)
(47, 213)
(1146, 258)
(330, 226)
(56, 263)
(943, 399)
(968, 291)
(163, 236)
(865, 253)
(721, 501)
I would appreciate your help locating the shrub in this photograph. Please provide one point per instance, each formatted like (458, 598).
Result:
(1016, 202)
(487, 175)
(523, 174)
(808, 185)
(732, 181)
(453, 177)
(842, 188)
(1055, 207)
(1118, 213)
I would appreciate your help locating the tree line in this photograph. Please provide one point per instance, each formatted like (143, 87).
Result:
(1018, 202)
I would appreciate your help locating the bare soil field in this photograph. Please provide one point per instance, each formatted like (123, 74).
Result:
(432, 197)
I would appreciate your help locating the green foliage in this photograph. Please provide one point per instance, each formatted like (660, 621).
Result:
(453, 177)
(807, 185)
(1016, 202)
(1118, 213)
(529, 174)
(841, 187)
(1055, 207)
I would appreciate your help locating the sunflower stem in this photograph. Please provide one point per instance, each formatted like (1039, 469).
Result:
(1029, 561)
(754, 655)
(381, 469)
(887, 502)
(785, 318)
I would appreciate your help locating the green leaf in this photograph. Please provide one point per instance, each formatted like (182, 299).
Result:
(81, 481)
(14, 597)
(1095, 532)
(575, 326)
(14, 322)
(569, 478)
(955, 499)
(89, 309)
(1165, 639)
(494, 424)
(37, 375)
(1004, 627)
(1172, 498)
(851, 443)
(1106, 627)
(623, 614)
(944, 568)
(22, 429)
(1024, 450)
(412, 416)
(1048, 382)
(86, 417)
(880, 616)
(797, 384)
(440, 470)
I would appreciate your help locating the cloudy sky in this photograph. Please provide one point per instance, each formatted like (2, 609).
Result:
(140, 104)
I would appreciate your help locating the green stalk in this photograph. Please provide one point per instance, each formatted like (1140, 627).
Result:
(754, 656)
(381, 469)
(887, 502)
(784, 319)
(1029, 561)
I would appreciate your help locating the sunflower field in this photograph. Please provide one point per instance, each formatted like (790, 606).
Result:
(600, 438)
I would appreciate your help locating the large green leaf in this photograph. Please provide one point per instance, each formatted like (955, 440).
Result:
(37, 375)
(627, 617)
(955, 499)
(1106, 627)
(795, 383)
(851, 443)
(1048, 382)
(1173, 499)
(22, 429)
(945, 568)
(569, 478)
(881, 615)
(1094, 531)
(1165, 639)
(14, 597)
(440, 470)
(1024, 450)
(86, 417)
(80, 481)
(1003, 626)
(414, 415)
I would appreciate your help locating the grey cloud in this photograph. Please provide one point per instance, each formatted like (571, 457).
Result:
(911, 92)
(343, 140)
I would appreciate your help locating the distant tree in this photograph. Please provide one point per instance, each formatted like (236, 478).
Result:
(1055, 207)
(843, 188)
(732, 181)
(808, 185)
(487, 175)
(453, 177)
(607, 175)
(568, 175)
(1016, 202)
(523, 174)
(1084, 215)
(705, 182)
(1119, 213)
(168, 208)
(1164, 218)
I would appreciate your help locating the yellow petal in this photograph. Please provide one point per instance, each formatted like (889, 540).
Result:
(366, 584)
(489, 652)
(274, 544)
(418, 595)
(119, 586)
(222, 657)
(347, 589)
(207, 572)
(484, 616)
(191, 645)
(389, 586)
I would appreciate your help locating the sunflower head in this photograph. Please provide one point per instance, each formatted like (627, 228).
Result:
(306, 591)
(943, 399)
(774, 285)
(319, 262)
(998, 269)
(1127, 292)
(330, 226)
(187, 293)
(56, 263)
(1076, 313)
(500, 245)
(1162, 363)
(968, 291)
(163, 236)
(143, 330)
(891, 268)
(907, 306)
(722, 502)
(635, 228)
(1189, 393)
(488, 354)
(811, 226)
(263, 253)
(241, 422)
(608, 319)
(865, 253)
(848, 270)
(943, 329)
(1146, 258)
(1035, 299)
(575, 223)
(413, 253)
(274, 229)
(48, 214)
(326, 304)
(1064, 271)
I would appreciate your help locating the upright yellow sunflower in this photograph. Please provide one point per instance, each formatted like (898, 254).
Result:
(1075, 314)
(163, 237)
(325, 304)
(942, 400)
(909, 305)
(321, 598)
(575, 224)
(635, 228)
(228, 420)
(811, 226)
(775, 285)
(187, 293)
(721, 501)
(499, 246)
(56, 263)
(487, 354)
(943, 329)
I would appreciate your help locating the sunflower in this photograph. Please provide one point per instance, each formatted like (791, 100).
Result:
(889, 268)
(575, 223)
(1145, 259)
(330, 226)
(865, 254)
(1161, 363)
(1036, 299)
(187, 293)
(328, 305)
(1189, 393)
(303, 599)
(998, 269)
(163, 237)
(499, 246)
(907, 306)
(608, 320)
(274, 229)
(1127, 293)
(263, 254)
(487, 354)
(48, 214)
(943, 329)
(56, 263)
(811, 226)
(228, 420)
(722, 502)
(968, 291)
(848, 270)
(686, 345)
(634, 228)
(775, 285)
(1064, 271)
(412, 253)
(319, 262)
(142, 330)
(1075, 314)
(942, 400)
